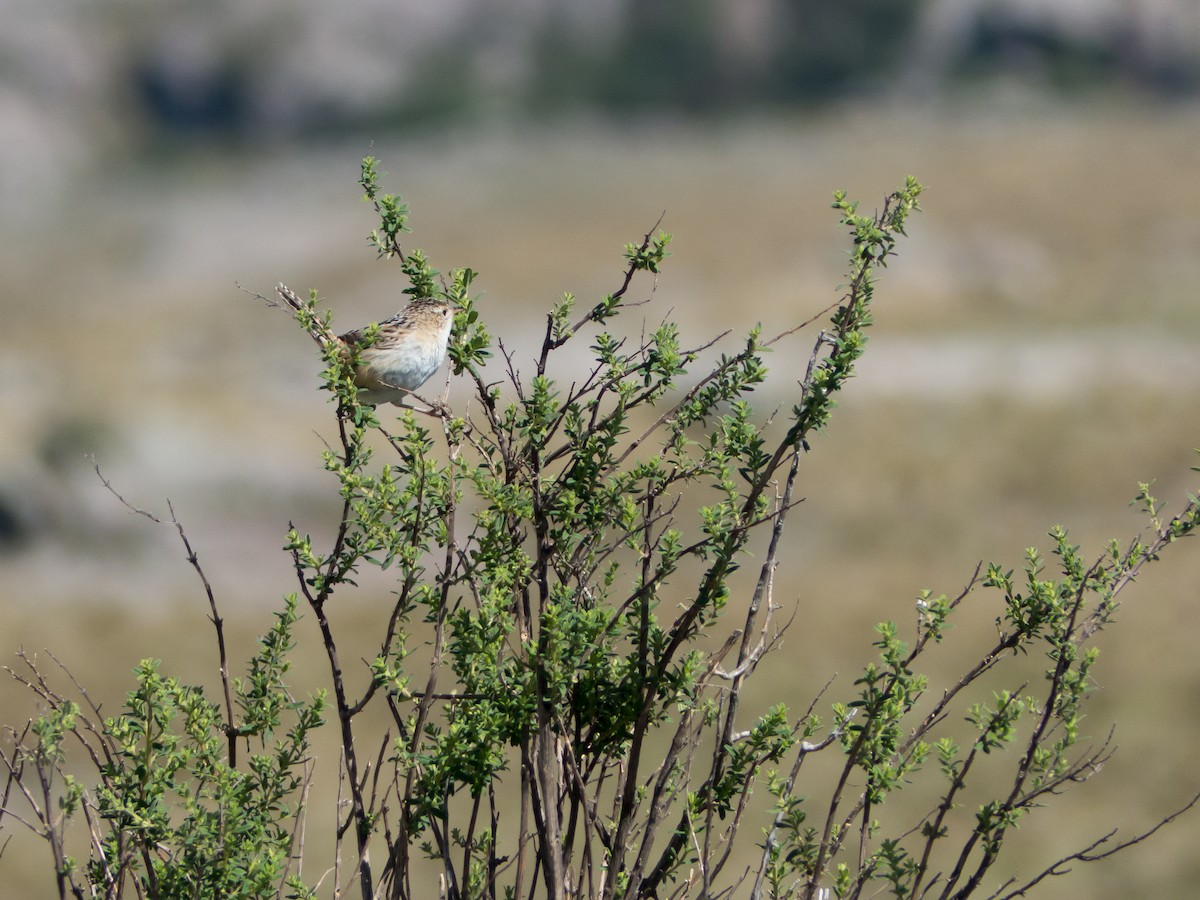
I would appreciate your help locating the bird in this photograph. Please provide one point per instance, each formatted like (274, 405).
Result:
(406, 351)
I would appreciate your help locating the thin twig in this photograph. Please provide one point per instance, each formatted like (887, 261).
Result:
(231, 730)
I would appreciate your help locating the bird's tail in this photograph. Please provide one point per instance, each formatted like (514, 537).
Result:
(316, 328)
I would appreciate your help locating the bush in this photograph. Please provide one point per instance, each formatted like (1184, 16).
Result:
(583, 586)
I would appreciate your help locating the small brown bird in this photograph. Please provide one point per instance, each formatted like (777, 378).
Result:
(407, 350)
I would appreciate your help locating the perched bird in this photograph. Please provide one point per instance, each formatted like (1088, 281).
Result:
(408, 348)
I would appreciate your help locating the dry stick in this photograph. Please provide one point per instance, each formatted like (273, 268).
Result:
(231, 730)
(101, 738)
(745, 795)
(296, 843)
(761, 590)
(388, 877)
(1085, 855)
(339, 830)
(40, 828)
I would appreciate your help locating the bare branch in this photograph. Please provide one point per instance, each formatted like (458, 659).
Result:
(1087, 854)
(231, 730)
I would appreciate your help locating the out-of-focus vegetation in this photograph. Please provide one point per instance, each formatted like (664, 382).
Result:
(84, 81)
(1034, 354)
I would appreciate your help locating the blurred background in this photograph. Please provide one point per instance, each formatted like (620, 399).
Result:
(1035, 353)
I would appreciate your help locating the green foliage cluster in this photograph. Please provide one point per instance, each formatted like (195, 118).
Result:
(582, 575)
(171, 814)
